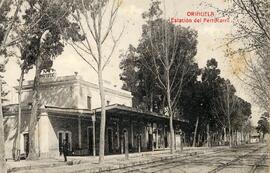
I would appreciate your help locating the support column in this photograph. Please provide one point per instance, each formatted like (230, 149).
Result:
(174, 139)
(94, 134)
(152, 136)
(43, 134)
(80, 132)
(157, 143)
(225, 135)
(169, 139)
(118, 135)
(126, 144)
(164, 133)
(121, 135)
(131, 133)
(208, 135)
(181, 140)
(146, 132)
(122, 144)
(184, 140)
(139, 144)
(236, 138)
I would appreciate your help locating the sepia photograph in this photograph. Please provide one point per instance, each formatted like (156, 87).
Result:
(134, 86)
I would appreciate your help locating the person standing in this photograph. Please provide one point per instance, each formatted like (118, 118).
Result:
(65, 149)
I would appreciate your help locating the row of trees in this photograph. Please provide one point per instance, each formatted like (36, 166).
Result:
(163, 77)
(163, 60)
(263, 126)
(38, 31)
(249, 43)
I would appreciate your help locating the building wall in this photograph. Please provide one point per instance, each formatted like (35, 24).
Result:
(50, 124)
(57, 95)
(64, 125)
(112, 97)
(67, 124)
(10, 133)
(47, 139)
(72, 92)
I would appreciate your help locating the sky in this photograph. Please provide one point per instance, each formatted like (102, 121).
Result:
(210, 41)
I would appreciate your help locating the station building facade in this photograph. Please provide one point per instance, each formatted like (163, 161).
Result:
(70, 110)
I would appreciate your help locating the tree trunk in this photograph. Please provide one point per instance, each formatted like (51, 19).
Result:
(172, 135)
(208, 135)
(236, 138)
(199, 140)
(126, 144)
(151, 101)
(139, 144)
(181, 141)
(1, 3)
(195, 132)
(33, 119)
(263, 135)
(168, 92)
(242, 136)
(103, 116)
(228, 114)
(2, 136)
(230, 135)
(225, 135)
(10, 25)
(18, 138)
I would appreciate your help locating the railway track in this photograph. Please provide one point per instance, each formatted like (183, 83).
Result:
(259, 163)
(256, 164)
(165, 164)
(219, 161)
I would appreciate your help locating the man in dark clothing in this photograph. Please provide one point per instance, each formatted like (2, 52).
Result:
(60, 149)
(65, 149)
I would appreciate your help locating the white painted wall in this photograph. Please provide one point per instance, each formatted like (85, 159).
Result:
(73, 92)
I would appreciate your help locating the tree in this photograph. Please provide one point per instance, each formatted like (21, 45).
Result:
(142, 84)
(24, 69)
(168, 52)
(6, 24)
(241, 115)
(263, 124)
(41, 43)
(210, 86)
(226, 103)
(160, 66)
(2, 139)
(91, 18)
(191, 103)
(251, 41)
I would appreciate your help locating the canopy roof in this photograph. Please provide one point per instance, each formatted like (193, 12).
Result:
(115, 109)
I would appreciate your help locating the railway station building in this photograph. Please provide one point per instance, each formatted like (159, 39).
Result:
(70, 110)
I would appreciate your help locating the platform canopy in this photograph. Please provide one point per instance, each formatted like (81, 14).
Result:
(111, 110)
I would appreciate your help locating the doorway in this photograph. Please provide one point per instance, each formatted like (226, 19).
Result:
(150, 141)
(166, 141)
(90, 140)
(64, 136)
(110, 141)
(26, 143)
